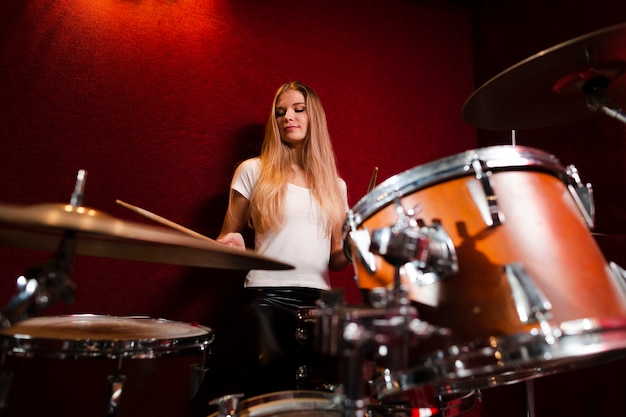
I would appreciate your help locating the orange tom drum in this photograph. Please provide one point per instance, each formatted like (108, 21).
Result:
(493, 246)
(90, 365)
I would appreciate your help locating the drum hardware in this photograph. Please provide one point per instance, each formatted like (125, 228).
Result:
(571, 81)
(227, 405)
(531, 304)
(529, 393)
(597, 100)
(582, 194)
(115, 389)
(358, 335)
(41, 286)
(410, 396)
(6, 377)
(492, 214)
(428, 249)
(619, 273)
(317, 372)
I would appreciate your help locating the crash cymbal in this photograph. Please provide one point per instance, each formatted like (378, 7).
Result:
(552, 86)
(99, 234)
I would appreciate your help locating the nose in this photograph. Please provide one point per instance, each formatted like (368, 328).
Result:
(289, 114)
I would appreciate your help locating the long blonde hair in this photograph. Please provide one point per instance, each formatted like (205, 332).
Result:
(319, 165)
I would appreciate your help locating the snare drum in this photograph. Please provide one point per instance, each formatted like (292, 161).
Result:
(91, 365)
(516, 277)
(320, 404)
(290, 403)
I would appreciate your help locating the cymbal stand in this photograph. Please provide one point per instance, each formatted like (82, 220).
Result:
(597, 100)
(529, 392)
(39, 286)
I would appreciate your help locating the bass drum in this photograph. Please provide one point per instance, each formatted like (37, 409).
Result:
(510, 271)
(90, 365)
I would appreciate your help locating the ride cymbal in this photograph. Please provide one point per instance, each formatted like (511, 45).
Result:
(41, 227)
(555, 85)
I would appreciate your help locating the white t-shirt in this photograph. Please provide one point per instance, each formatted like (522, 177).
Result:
(302, 241)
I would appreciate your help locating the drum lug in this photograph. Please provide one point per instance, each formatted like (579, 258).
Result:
(228, 405)
(116, 388)
(619, 274)
(582, 194)
(484, 197)
(531, 304)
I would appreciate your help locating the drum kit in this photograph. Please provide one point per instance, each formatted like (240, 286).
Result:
(469, 283)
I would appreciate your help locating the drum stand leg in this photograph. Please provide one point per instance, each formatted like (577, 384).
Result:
(529, 392)
(355, 399)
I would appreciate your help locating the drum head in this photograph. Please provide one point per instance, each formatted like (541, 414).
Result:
(292, 403)
(96, 335)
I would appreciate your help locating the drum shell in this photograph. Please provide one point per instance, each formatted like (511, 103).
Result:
(70, 376)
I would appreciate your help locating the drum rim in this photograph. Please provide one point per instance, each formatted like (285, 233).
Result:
(290, 401)
(454, 166)
(521, 357)
(22, 344)
(289, 394)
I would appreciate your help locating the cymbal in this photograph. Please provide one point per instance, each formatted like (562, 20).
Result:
(41, 227)
(550, 88)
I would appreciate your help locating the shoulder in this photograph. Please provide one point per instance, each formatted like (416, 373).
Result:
(342, 185)
(249, 168)
(251, 164)
(246, 177)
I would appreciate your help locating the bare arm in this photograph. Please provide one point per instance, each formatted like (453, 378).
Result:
(338, 259)
(234, 221)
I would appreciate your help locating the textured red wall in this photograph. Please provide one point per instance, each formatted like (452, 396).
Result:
(159, 100)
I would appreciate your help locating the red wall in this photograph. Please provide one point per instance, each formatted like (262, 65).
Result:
(159, 100)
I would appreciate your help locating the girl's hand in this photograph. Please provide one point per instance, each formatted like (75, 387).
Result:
(233, 240)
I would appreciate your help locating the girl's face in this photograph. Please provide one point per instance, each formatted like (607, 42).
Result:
(292, 117)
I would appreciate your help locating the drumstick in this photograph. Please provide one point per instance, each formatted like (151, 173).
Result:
(373, 180)
(162, 220)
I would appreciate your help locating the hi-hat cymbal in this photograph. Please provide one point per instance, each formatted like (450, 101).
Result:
(41, 227)
(552, 86)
